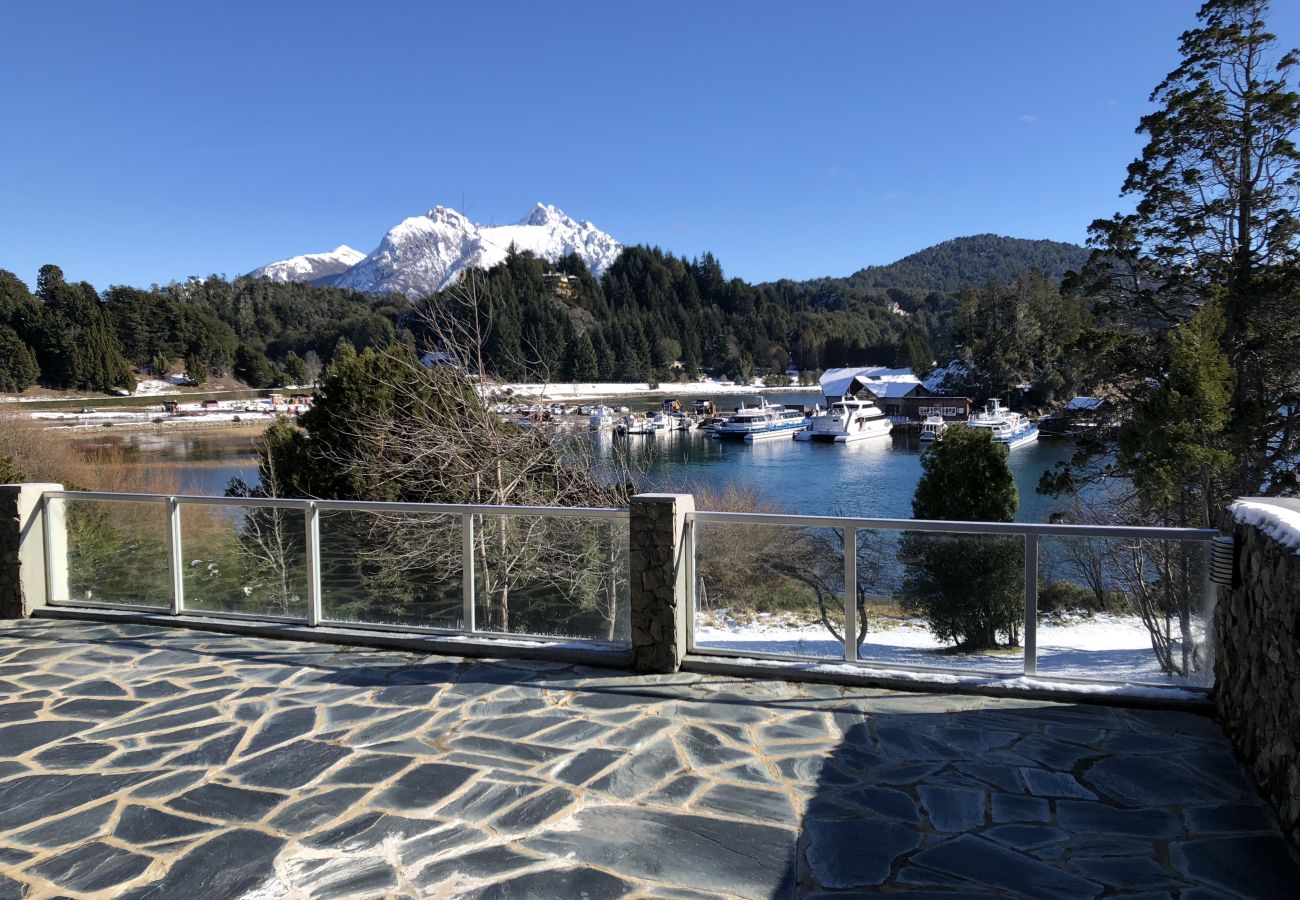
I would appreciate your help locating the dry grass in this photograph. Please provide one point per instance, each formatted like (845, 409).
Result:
(46, 455)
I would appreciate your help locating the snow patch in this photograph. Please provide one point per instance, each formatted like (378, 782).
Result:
(310, 266)
(1281, 523)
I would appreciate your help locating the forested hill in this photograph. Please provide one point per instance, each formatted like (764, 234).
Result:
(975, 260)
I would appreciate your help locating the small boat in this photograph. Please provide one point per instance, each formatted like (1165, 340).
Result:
(647, 424)
(1008, 428)
(845, 421)
(601, 418)
(932, 428)
(762, 423)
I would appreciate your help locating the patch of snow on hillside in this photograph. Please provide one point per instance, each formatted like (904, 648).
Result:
(310, 266)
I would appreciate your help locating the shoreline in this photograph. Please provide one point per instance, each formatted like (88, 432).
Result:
(611, 390)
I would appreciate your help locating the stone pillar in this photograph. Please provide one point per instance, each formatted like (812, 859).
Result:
(1257, 667)
(22, 549)
(657, 581)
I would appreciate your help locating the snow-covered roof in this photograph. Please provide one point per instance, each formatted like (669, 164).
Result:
(1279, 519)
(894, 389)
(838, 382)
(1085, 403)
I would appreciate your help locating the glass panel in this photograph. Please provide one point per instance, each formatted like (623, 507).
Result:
(1123, 610)
(117, 552)
(552, 575)
(244, 559)
(388, 569)
(775, 589)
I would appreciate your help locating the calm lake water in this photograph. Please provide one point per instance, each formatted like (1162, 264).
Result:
(873, 478)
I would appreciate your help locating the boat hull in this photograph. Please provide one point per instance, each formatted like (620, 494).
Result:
(1020, 440)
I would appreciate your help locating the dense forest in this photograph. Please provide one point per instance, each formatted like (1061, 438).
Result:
(652, 317)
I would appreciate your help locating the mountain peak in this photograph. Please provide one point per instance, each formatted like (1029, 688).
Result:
(545, 214)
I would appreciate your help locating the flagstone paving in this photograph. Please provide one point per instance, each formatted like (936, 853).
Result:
(139, 762)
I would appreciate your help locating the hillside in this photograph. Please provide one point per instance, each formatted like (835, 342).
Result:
(950, 266)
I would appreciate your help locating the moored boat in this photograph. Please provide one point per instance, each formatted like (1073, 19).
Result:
(1008, 428)
(845, 421)
(762, 423)
(932, 428)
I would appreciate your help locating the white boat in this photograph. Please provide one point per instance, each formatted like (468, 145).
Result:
(647, 425)
(762, 423)
(932, 428)
(845, 421)
(601, 418)
(1007, 427)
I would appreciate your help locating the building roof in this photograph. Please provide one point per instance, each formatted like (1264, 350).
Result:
(1085, 403)
(838, 382)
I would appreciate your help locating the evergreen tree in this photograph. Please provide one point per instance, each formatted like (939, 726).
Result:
(160, 365)
(582, 362)
(295, 370)
(196, 370)
(969, 587)
(18, 369)
(1217, 188)
(254, 369)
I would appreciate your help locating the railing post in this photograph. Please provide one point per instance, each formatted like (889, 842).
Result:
(174, 555)
(688, 561)
(1031, 604)
(657, 580)
(1209, 600)
(467, 571)
(850, 594)
(311, 520)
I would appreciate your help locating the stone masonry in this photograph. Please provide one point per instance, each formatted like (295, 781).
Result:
(657, 581)
(22, 569)
(1258, 667)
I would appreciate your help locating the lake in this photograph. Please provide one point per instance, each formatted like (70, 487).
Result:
(873, 478)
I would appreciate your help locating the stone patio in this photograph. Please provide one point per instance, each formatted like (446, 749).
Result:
(143, 762)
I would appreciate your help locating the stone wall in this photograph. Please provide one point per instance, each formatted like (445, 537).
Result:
(1257, 669)
(22, 550)
(657, 581)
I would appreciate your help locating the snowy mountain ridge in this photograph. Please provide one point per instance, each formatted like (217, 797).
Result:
(423, 254)
(310, 266)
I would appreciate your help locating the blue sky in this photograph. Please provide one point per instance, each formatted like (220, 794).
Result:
(146, 142)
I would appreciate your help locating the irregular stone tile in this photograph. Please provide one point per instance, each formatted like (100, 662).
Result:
(168, 785)
(1056, 755)
(901, 774)
(232, 864)
(425, 786)
(152, 689)
(856, 853)
(1026, 837)
(642, 772)
(1003, 778)
(369, 769)
(19, 712)
(1135, 742)
(1143, 781)
(1126, 874)
(534, 811)
(369, 830)
(96, 687)
(212, 753)
(68, 829)
(187, 735)
(745, 803)
(143, 825)
(634, 736)
(187, 700)
(1019, 808)
(282, 728)
(1042, 783)
(408, 696)
(676, 792)
(1264, 863)
(99, 709)
(705, 750)
(316, 811)
(73, 755)
(290, 766)
(1089, 848)
(691, 851)
(585, 766)
(156, 724)
(801, 769)
(36, 797)
(221, 801)
(577, 732)
(398, 727)
(1230, 819)
(990, 864)
(93, 866)
(953, 809)
(524, 752)
(348, 877)
(575, 882)
(452, 877)
(1098, 818)
(27, 736)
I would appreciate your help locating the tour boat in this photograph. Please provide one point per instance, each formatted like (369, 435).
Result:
(762, 423)
(847, 420)
(1007, 427)
(647, 425)
(932, 428)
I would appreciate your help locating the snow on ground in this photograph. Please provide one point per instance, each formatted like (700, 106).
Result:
(1114, 648)
(149, 387)
(616, 389)
(1281, 523)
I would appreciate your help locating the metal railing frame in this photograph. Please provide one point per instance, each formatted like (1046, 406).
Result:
(466, 514)
(1031, 532)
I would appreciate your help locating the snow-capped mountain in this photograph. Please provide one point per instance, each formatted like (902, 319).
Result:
(311, 266)
(426, 253)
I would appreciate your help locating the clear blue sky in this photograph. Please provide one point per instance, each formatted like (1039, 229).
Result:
(145, 142)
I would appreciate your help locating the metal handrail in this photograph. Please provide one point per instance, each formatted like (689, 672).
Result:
(314, 616)
(958, 527)
(1031, 532)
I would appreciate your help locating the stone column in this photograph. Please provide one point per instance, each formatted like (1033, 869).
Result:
(22, 549)
(657, 581)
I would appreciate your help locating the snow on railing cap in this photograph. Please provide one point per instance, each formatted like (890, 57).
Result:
(1279, 519)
